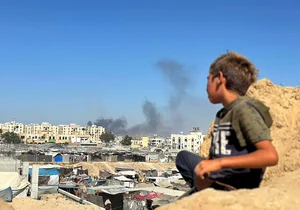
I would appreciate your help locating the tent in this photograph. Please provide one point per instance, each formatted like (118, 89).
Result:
(45, 171)
(58, 158)
(6, 194)
(13, 184)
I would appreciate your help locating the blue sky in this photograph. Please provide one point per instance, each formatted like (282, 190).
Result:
(74, 61)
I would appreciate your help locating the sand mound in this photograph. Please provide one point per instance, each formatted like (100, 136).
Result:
(5, 206)
(49, 202)
(281, 186)
(282, 194)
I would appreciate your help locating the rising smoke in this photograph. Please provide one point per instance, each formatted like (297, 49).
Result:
(180, 80)
(152, 125)
(183, 110)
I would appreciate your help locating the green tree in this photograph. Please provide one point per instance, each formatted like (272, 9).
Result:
(89, 123)
(107, 137)
(126, 141)
(11, 137)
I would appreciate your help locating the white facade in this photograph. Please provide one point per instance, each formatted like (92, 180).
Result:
(12, 127)
(44, 132)
(190, 142)
(156, 141)
(95, 132)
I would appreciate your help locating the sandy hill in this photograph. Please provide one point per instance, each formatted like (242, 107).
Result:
(48, 202)
(281, 186)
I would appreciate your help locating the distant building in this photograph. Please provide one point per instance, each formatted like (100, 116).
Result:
(145, 141)
(45, 132)
(136, 142)
(12, 127)
(190, 142)
(156, 141)
(140, 142)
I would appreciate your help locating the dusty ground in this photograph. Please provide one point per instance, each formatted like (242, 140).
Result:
(281, 186)
(48, 202)
(282, 194)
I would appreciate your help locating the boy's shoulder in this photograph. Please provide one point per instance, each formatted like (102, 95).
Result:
(249, 118)
(250, 110)
(245, 106)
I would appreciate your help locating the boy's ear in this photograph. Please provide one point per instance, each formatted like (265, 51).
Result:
(222, 79)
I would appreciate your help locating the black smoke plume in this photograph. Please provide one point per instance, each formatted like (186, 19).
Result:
(183, 110)
(180, 80)
(152, 125)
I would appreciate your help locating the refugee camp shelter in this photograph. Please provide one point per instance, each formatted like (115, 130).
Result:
(58, 158)
(48, 178)
(12, 185)
(126, 182)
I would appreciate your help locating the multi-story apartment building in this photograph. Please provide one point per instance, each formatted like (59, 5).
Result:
(12, 127)
(190, 142)
(140, 142)
(136, 142)
(95, 132)
(45, 132)
(157, 141)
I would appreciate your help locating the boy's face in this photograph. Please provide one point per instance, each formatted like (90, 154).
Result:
(212, 89)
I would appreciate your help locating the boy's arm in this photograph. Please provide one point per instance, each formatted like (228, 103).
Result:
(252, 130)
(264, 156)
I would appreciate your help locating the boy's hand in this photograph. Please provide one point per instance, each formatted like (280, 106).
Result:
(205, 167)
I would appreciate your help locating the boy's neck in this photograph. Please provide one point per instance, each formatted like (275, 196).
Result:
(229, 98)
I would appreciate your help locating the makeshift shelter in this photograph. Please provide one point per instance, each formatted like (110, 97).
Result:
(12, 185)
(6, 194)
(48, 179)
(58, 158)
(126, 182)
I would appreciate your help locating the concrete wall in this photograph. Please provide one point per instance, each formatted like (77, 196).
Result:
(9, 164)
(36, 158)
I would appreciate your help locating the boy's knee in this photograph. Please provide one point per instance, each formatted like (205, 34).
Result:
(180, 157)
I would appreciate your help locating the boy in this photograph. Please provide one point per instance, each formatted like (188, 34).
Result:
(241, 147)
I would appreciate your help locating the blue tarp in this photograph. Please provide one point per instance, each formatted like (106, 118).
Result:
(45, 171)
(6, 194)
(58, 158)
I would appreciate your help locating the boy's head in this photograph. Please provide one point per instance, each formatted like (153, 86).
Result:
(230, 72)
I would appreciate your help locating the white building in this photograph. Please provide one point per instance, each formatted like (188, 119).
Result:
(12, 127)
(190, 142)
(46, 132)
(156, 141)
(95, 132)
